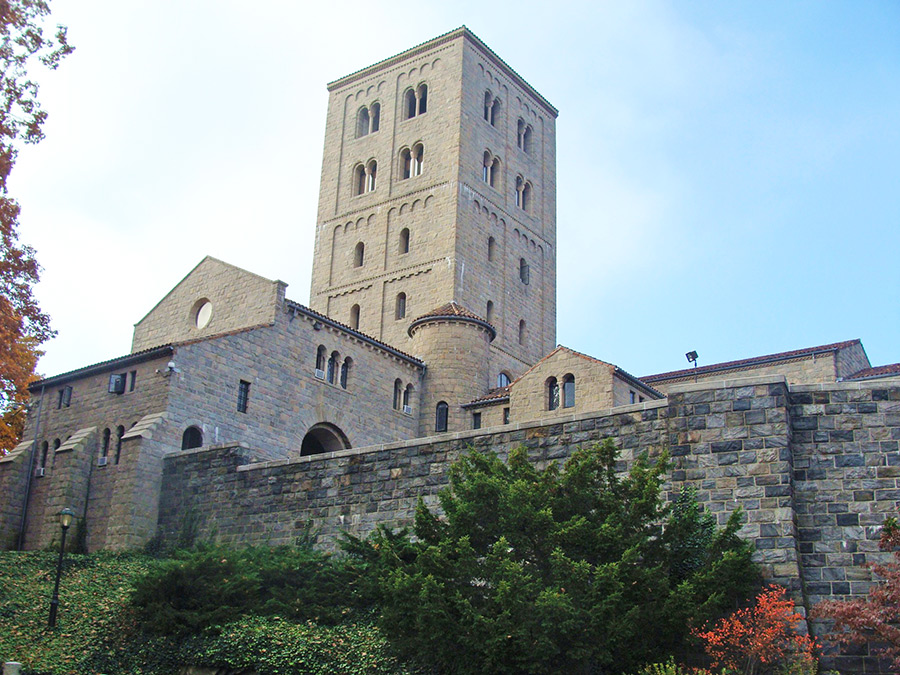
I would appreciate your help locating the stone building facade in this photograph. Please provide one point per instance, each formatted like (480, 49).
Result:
(431, 329)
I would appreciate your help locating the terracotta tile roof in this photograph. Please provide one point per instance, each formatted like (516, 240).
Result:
(452, 310)
(743, 363)
(110, 364)
(890, 370)
(493, 396)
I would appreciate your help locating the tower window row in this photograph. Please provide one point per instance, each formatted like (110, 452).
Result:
(403, 396)
(368, 120)
(524, 134)
(331, 368)
(411, 161)
(411, 164)
(415, 101)
(523, 193)
(359, 251)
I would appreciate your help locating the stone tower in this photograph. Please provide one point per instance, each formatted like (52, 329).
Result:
(438, 186)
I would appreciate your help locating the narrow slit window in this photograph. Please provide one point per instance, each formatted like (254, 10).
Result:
(569, 391)
(404, 241)
(243, 396)
(354, 317)
(400, 306)
(441, 415)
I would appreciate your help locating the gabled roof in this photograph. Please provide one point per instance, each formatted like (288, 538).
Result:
(891, 370)
(755, 361)
(451, 311)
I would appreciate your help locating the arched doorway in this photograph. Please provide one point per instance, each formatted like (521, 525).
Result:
(321, 438)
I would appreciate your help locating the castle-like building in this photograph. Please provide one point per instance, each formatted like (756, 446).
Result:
(432, 316)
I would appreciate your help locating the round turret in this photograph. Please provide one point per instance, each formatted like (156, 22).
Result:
(454, 343)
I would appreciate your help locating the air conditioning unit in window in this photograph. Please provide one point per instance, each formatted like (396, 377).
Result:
(101, 461)
(117, 384)
(320, 374)
(39, 472)
(407, 409)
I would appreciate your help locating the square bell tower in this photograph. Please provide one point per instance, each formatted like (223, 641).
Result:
(439, 185)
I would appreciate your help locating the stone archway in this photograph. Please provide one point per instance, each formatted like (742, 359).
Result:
(323, 437)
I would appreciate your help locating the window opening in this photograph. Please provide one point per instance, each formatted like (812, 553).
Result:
(105, 450)
(407, 398)
(400, 308)
(503, 379)
(120, 432)
(506, 416)
(398, 393)
(631, 396)
(490, 172)
(404, 241)
(476, 420)
(65, 397)
(375, 116)
(492, 243)
(192, 438)
(405, 163)
(345, 371)
(321, 358)
(359, 254)
(45, 448)
(552, 394)
(333, 367)
(354, 317)
(133, 376)
(522, 332)
(418, 159)
(441, 413)
(524, 271)
(422, 96)
(569, 391)
(362, 122)
(489, 312)
(243, 396)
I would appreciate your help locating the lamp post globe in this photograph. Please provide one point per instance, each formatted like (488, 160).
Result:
(65, 520)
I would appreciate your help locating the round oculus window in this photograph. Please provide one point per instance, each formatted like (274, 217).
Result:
(204, 314)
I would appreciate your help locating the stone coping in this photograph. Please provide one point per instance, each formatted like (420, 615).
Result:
(461, 435)
(77, 440)
(874, 383)
(729, 383)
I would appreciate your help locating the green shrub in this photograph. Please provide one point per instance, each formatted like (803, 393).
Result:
(208, 587)
(573, 569)
(670, 668)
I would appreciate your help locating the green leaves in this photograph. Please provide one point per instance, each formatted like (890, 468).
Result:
(568, 569)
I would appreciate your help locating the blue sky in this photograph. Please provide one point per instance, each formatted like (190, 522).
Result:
(727, 172)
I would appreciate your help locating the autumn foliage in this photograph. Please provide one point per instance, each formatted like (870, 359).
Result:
(763, 638)
(875, 618)
(23, 326)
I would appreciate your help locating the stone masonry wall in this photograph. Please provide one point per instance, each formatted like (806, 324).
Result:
(814, 468)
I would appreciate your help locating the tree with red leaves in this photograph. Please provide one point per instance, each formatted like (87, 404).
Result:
(761, 639)
(875, 618)
(23, 326)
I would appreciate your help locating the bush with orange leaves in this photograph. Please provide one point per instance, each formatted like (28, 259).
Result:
(875, 618)
(760, 639)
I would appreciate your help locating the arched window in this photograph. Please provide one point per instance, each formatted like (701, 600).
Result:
(354, 317)
(552, 394)
(526, 197)
(400, 306)
(489, 312)
(488, 100)
(492, 245)
(398, 393)
(345, 371)
(403, 247)
(359, 255)
(524, 271)
(503, 379)
(191, 438)
(359, 180)
(520, 183)
(526, 139)
(362, 122)
(490, 172)
(56, 444)
(321, 358)
(104, 451)
(407, 398)
(375, 117)
(422, 95)
(418, 159)
(569, 391)
(120, 431)
(371, 173)
(333, 361)
(405, 163)
(415, 101)
(522, 332)
(45, 448)
(441, 413)
(520, 130)
(409, 107)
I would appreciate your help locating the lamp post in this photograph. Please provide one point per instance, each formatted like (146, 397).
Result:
(65, 519)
